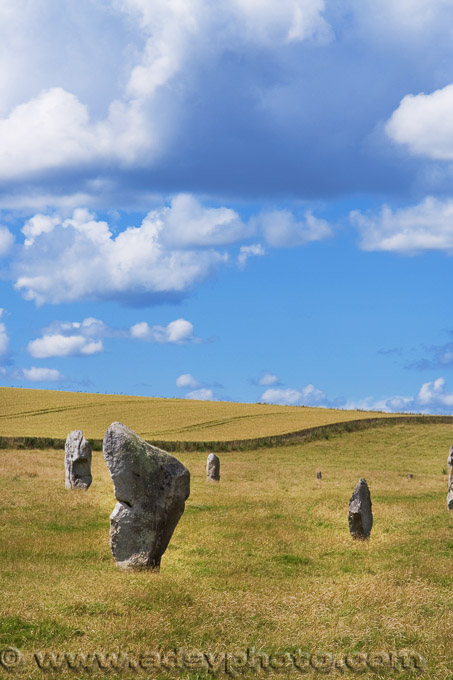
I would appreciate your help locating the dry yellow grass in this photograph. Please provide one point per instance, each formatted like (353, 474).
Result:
(48, 413)
(263, 559)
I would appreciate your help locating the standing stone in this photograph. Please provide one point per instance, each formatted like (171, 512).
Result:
(213, 468)
(450, 479)
(151, 488)
(318, 474)
(360, 515)
(77, 461)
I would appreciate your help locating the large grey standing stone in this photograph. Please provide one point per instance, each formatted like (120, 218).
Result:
(213, 468)
(77, 461)
(151, 488)
(450, 479)
(360, 515)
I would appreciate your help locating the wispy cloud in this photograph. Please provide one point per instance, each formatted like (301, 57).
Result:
(267, 379)
(415, 229)
(4, 339)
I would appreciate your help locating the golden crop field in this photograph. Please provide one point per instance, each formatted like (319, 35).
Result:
(49, 413)
(262, 560)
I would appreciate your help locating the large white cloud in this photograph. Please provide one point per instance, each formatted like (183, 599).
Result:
(424, 124)
(175, 247)
(54, 130)
(55, 123)
(422, 227)
(179, 31)
(70, 259)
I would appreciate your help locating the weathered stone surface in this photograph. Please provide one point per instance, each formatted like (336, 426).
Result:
(450, 479)
(360, 515)
(77, 461)
(213, 468)
(151, 488)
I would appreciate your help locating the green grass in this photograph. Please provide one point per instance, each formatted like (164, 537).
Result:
(263, 559)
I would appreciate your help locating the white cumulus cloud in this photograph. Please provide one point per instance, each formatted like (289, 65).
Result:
(63, 346)
(424, 124)
(69, 259)
(178, 332)
(188, 381)
(35, 374)
(286, 396)
(432, 398)
(69, 338)
(54, 130)
(425, 226)
(49, 123)
(268, 379)
(175, 247)
(306, 396)
(434, 394)
(188, 223)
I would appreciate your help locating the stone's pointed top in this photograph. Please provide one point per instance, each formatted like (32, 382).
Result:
(360, 516)
(151, 488)
(213, 468)
(77, 461)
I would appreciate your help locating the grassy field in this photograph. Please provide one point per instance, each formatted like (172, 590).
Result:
(263, 559)
(49, 413)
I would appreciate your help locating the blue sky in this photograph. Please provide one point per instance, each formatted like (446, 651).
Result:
(243, 200)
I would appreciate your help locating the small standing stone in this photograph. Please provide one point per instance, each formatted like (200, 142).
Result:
(450, 479)
(151, 488)
(318, 474)
(77, 461)
(213, 468)
(410, 475)
(360, 515)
